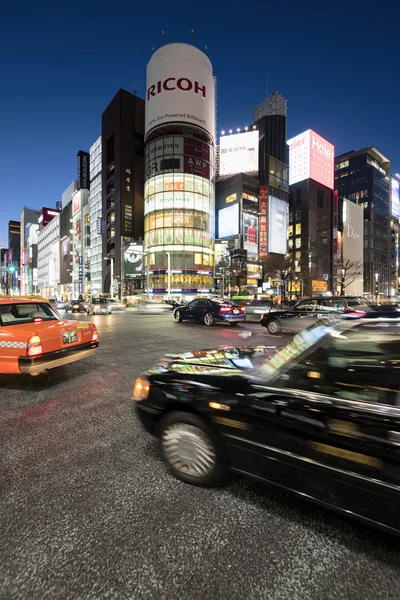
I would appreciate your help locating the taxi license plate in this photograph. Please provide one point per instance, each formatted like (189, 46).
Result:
(69, 338)
(236, 311)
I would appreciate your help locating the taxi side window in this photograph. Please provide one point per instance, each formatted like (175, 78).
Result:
(353, 366)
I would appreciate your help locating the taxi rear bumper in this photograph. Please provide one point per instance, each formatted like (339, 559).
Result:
(37, 364)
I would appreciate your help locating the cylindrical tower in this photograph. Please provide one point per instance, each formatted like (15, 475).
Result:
(179, 193)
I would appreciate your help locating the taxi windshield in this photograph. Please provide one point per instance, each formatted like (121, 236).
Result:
(26, 312)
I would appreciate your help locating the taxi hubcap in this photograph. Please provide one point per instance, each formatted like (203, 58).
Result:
(188, 449)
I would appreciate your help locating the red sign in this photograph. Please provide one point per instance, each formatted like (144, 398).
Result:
(196, 166)
(263, 225)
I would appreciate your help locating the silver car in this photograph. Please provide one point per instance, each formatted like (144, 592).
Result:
(98, 306)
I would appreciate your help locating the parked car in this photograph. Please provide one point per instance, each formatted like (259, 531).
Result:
(255, 308)
(98, 306)
(308, 310)
(75, 306)
(320, 418)
(34, 338)
(207, 311)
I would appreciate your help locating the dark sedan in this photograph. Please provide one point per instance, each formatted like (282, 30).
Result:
(321, 418)
(207, 311)
(309, 310)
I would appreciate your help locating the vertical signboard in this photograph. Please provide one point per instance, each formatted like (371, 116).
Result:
(80, 275)
(353, 245)
(263, 253)
(250, 234)
(83, 170)
(311, 157)
(127, 194)
(277, 226)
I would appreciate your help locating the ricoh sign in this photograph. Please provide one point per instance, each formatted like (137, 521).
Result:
(311, 157)
(180, 88)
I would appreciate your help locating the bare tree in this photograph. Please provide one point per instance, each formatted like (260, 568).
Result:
(280, 266)
(347, 272)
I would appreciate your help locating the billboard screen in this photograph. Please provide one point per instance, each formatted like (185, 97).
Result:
(250, 234)
(238, 153)
(311, 157)
(180, 88)
(133, 259)
(353, 243)
(395, 188)
(263, 252)
(277, 226)
(228, 221)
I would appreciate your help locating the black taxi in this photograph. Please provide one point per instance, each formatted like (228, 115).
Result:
(319, 417)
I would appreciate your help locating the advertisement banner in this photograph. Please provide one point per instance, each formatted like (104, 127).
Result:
(177, 200)
(277, 226)
(180, 88)
(196, 166)
(133, 259)
(83, 170)
(228, 221)
(264, 201)
(76, 203)
(353, 243)
(238, 153)
(166, 237)
(395, 189)
(311, 157)
(250, 234)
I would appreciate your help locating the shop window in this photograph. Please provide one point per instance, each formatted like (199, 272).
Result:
(298, 229)
(298, 242)
(290, 230)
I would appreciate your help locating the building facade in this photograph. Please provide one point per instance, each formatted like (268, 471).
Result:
(179, 199)
(80, 243)
(96, 212)
(48, 239)
(28, 248)
(394, 235)
(310, 231)
(363, 177)
(122, 151)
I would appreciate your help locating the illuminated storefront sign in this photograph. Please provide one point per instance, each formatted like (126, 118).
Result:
(162, 237)
(264, 201)
(187, 201)
(248, 196)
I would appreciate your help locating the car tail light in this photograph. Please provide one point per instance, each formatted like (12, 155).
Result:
(225, 309)
(95, 336)
(243, 309)
(34, 347)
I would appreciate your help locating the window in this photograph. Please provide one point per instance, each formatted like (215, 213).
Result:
(290, 230)
(290, 243)
(298, 229)
(298, 242)
(298, 215)
(13, 314)
(352, 364)
(320, 198)
(298, 197)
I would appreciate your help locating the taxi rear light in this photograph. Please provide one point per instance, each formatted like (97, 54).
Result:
(242, 309)
(225, 309)
(95, 336)
(34, 346)
(141, 389)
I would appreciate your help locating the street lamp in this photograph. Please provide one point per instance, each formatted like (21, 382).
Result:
(342, 282)
(376, 286)
(112, 276)
(169, 273)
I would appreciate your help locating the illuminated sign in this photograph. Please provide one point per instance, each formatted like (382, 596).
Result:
(231, 198)
(248, 196)
(311, 157)
(264, 201)
(76, 203)
(188, 201)
(163, 237)
(238, 153)
(180, 88)
(277, 226)
(228, 221)
(133, 258)
(395, 188)
(250, 234)
(352, 244)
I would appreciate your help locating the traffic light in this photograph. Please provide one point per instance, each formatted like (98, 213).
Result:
(12, 269)
(6, 257)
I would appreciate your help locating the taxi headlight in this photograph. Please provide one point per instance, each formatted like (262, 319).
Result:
(141, 388)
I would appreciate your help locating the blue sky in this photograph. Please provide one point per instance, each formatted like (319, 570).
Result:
(62, 62)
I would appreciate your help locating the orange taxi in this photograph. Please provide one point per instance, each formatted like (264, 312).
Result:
(35, 338)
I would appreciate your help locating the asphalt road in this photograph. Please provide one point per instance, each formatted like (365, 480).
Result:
(88, 510)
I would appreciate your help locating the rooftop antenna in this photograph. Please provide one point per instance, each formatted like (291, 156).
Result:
(134, 89)
(192, 32)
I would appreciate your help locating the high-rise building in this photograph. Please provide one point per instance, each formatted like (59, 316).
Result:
(122, 150)
(80, 239)
(48, 240)
(66, 259)
(310, 239)
(180, 171)
(395, 235)
(363, 177)
(95, 202)
(14, 253)
(28, 249)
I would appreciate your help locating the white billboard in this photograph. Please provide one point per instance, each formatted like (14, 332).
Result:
(353, 245)
(277, 226)
(180, 88)
(238, 153)
(228, 221)
(250, 234)
(311, 157)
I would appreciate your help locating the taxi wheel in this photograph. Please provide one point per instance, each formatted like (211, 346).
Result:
(191, 449)
(274, 327)
(178, 316)
(208, 319)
